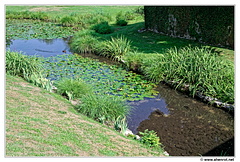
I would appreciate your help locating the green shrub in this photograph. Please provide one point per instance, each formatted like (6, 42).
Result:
(103, 28)
(72, 88)
(22, 65)
(198, 67)
(40, 81)
(84, 41)
(120, 16)
(84, 44)
(122, 22)
(115, 48)
(139, 10)
(68, 21)
(150, 138)
(103, 107)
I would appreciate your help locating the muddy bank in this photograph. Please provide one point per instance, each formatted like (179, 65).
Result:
(192, 128)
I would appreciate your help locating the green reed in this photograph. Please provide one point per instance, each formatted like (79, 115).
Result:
(73, 88)
(103, 107)
(198, 67)
(115, 48)
(22, 65)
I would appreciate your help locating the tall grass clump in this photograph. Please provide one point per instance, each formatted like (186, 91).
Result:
(84, 42)
(103, 28)
(22, 65)
(103, 107)
(115, 48)
(73, 88)
(200, 68)
(68, 21)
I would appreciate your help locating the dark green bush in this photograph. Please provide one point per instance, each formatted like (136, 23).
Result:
(103, 28)
(122, 22)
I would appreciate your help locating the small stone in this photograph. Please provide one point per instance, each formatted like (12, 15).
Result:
(137, 137)
(128, 132)
(165, 153)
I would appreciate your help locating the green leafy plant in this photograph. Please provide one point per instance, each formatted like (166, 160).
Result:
(121, 124)
(150, 138)
(103, 28)
(103, 78)
(22, 65)
(200, 68)
(68, 21)
(115, 48)
(39, 80)
(72, 88)
(122, 22)
(103, 107)
(84, 44)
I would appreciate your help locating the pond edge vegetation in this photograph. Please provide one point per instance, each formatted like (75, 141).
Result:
(198, 71)
(106, 109)
(90, 40)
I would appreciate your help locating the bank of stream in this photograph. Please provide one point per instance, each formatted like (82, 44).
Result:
(186, 127)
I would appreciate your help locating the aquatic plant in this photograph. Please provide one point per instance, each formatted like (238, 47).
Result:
(39, 80)
(27, 15)
(103, 107)
(29, 29)
(104, 78)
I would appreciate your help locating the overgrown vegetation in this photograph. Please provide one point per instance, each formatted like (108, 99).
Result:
(103, 107)
(73, 88)
(198, 67)
(150, 138)
(22, 65)
(103, 28)
(115, 48)
(201, 69)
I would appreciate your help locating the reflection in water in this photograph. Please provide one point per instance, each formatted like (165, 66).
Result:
(41, 47)
(142, 109)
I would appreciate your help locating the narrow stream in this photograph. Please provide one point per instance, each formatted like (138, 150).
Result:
(186, 127)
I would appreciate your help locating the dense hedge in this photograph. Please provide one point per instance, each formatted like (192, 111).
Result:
(209, 24)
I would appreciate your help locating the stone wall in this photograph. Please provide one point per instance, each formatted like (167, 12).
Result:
(212, 25)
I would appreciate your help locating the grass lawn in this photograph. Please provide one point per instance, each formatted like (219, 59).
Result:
(146, 42)
(39, 123)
